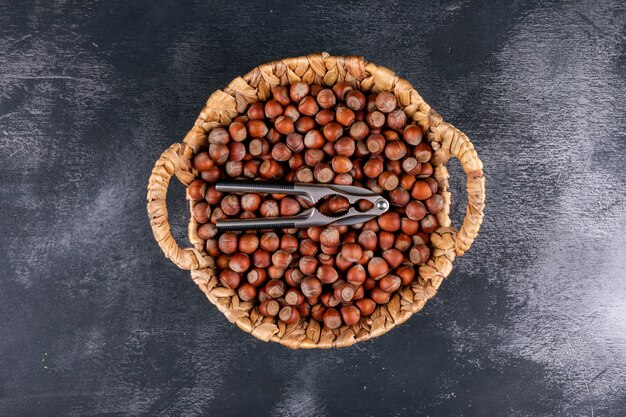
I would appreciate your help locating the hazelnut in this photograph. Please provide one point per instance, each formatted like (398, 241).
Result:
(341, 164)
(396, 119)
(355, 100)
(298, 90)
(356, 275)
(269, 308)
(399, 197)
(380, 296)
(289, 243)
(359, 130)
(229, 279)
(292, 112)
(324, 117)
(434, 204)
(412, 135)
(269, 241)
(275, 288)
(390, 283)
(256, 128)
(415, 210)
(406, 274)
(326, 98)
(344, 292)
(377, 268)
(237, 131)
(366, 306)
(308, 265)
(201, 212)
(423, 152)
(256, 111)
(284, 125)
(197, 189)
(218, 153)
(239, 262)
(251, 168)
(351, 252)
(332, 319)
(212, 175)
(388, 181)
(342, 89)
(333, 131)
(344, 115)
(311, 287)
(426, 171)
(293, 277)
(257, 276)
(304, 174)
(327, 274)
(233, 169)
(273, 109)
(343, 179)
(323, 173)
(248, 243)
(411, 166)
(207, 231)
(345, 146)
(389, 221)
(368, 240)
(304, 124)
(419, 254)
(393, 257)
(230, 205)
(269, 169)
(329, 149)
(429, 223)
(203, 162)
(258, 147)
(403, 242)
(434, 186)
(246, 292)
(329, 237)
(314, 139)
(294, 297)
(281, 259)
(395, 150)
(261, 258)
(375, 143)
(386, 102)
(308, 247)
(421, 190)
(289, 315)
(236, 151)
(212, 248)
(219, 135)
(373, 167)
(281, 95)
(385, 240)
(408, 226)
(308, 106)
(250, 202)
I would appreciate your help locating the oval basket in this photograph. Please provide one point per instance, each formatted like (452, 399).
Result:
(446, 242)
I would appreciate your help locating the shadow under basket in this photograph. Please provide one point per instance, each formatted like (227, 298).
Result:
(446, 242)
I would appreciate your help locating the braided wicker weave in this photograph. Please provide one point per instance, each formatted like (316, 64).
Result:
(446, 241)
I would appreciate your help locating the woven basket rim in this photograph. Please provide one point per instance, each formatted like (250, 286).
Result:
(446, 242)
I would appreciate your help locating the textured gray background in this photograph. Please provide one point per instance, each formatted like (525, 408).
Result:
(94, 320)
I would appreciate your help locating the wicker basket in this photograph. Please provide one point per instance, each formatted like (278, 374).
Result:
(447, 242)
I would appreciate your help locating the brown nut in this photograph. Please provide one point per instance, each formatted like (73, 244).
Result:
(390, 283)
(246, 292)
(412, 135)
(389, 221)
(377, 268)
(269, 308)
(419, 254)
(386, 102)
(229, 279)
(332, 318)
(289, 315)
(351, 252)
(366, 306)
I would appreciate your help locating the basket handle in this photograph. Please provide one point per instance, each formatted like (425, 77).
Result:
(457, 144)
(171, 162)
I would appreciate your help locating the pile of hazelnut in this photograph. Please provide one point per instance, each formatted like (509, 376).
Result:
(312, 134)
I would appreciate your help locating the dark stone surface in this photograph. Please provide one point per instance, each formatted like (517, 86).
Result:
(94, 320)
